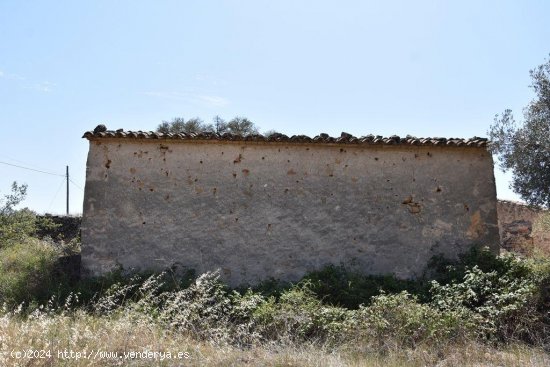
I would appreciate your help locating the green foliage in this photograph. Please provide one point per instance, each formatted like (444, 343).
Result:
(481, 296)
(15, 225)
(299, 315)
(505, 302)
(238, 126)
(10, 201)
(343, 287)
(399, 320)
(18, 225)
(526, 149)
(241, 126)
(446, 271)
(179, 125)
(339, 286)
(27, 272)
(269, 287)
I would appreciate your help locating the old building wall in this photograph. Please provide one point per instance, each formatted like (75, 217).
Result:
(258, 210)
(523, 229)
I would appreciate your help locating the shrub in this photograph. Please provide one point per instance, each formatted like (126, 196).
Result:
(499, 298)
(299, 315)
(505, 302)
(27, 272)
(446, 271)
(396, 321)
(268, 287)
(339, 286)
(18, 225)
(202, 309)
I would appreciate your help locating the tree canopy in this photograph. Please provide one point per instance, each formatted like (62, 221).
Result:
(525, 148)
(238, 126)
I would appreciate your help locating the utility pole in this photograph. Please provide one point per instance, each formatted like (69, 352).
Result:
(67, 175)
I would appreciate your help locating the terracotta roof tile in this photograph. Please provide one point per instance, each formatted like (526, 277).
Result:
(101, 132)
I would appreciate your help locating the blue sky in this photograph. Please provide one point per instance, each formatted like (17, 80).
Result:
(425, 68)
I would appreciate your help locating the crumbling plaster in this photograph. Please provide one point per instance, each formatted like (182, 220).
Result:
(259, 210)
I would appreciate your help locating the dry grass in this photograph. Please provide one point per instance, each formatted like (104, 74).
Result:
(125, 333)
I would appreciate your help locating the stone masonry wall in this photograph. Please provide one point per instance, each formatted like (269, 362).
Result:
(522, 228)
(259, 210)
(67, 228)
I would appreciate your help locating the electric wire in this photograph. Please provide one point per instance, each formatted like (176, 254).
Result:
(57, 192)
(74, 183)
(47, 173)
(27, 164)
(32, 169)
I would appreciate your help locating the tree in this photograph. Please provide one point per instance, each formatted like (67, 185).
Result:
(179, 125)
(241, 126)
(220, 126)
(10, 201)
(237, 126)
(525, 149)
(15, 225)
(268, 133)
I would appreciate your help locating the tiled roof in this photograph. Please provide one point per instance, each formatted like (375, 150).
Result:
(345, 138)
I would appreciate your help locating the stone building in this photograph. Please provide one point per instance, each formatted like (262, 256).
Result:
(523, 229)
(258, 207)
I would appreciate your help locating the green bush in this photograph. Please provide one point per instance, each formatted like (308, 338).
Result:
(268, 287)
(339, 286)
(299, 315)
(399, 321)
(27, 272)
(17, 225)
(496, 298)
(446, 271)
(508, 301)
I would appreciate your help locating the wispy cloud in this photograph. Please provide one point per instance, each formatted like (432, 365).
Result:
(45, 87)
(206, 78)
(10, 76)
(22, 82)
(168, 95)
(202, 99)
(214, 101)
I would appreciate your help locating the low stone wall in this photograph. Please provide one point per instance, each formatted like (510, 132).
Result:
(522, 229)
(67, 229)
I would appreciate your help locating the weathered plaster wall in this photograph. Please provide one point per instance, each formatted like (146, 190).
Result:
(257, 210)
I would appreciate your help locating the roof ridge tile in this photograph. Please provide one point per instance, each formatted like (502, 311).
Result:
(101, 132)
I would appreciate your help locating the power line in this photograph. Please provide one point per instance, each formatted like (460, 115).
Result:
(3, 156)
(32, 169)
(74, 183)
(57, 192)
(65, 178)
